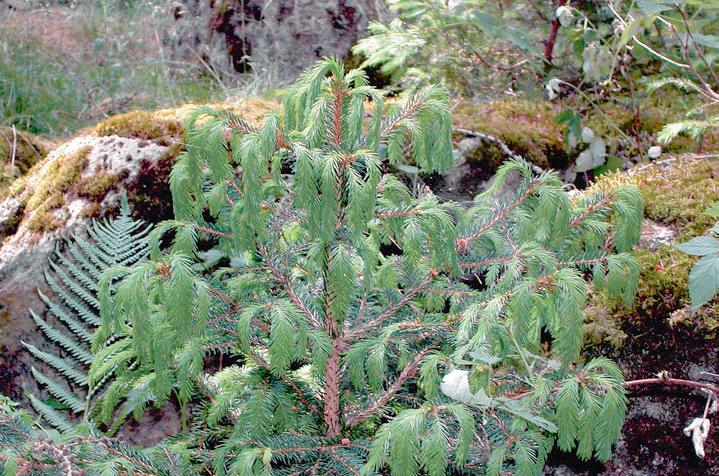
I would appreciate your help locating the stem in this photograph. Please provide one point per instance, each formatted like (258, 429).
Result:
(183, 416)
(337, 116)
(663, 379)
(549, 44)
(698, 50)
(635, 112)
(643, 45)
(332, 393)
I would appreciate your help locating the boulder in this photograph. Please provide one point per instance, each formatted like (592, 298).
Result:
(80, 180)
(59, 195)
(279, 37)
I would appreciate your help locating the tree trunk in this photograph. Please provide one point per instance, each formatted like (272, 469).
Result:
(332, 393)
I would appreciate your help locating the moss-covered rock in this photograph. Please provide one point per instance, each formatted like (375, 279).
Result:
(166, 127)
(57, 177)
(19, 151)
(141, 125)
(675, 194)
(527, 127)
(82, 178)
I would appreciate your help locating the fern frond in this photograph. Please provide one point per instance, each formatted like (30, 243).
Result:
(61, 365)
(73, 277)
(75, 348)
(56, 418)
(61, 393)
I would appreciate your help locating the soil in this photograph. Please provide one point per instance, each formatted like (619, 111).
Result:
(652, 441)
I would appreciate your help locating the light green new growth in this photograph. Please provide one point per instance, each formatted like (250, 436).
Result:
(73, 277)
(337, 304)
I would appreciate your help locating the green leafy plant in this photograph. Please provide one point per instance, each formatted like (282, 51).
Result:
(353, 344)
(28, 448)
(74, 313)
(471, 46)
(704, 275)
(681, 36)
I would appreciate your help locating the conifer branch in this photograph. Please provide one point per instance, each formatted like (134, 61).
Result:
(409, 109)
(135, 461)
(298, 392)
(287, 285)
(234, 186)
(234, 309)
(464, 243)
(478, 264)
(212, 232)
(604, 201)
(454, 292)
(581, 262)
(367, 327)
(408, 372)
(398, 214)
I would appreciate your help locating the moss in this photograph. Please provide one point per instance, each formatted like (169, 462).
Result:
(527, 127)
(93, 210)
(165, 126)
(95, 187)
(59, 176)
(42, 217)
(17, 187)
(19, 151)
(141, 125)
(675, 195)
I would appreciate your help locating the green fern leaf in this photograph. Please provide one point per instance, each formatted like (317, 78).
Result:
(73, 277)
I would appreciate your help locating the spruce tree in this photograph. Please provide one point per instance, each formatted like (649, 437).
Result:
(367, 330)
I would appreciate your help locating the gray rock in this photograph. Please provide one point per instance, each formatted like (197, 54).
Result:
(25, 250)
(279, 37)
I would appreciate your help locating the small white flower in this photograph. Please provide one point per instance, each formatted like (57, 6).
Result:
(455, 385)
(565, 15)
(699, 430)
(654, 152)
(587, 135)
(552, 88)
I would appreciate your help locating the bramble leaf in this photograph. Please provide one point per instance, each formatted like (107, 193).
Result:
(704, 280)
(700, 246)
